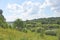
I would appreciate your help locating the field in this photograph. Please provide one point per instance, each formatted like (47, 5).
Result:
(12, 34)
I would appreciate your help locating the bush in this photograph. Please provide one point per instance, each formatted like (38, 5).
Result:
(33, 30)
(39, 30)
(50, 32)
(24, 30)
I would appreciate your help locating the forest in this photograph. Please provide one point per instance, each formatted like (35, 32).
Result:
(36, 29)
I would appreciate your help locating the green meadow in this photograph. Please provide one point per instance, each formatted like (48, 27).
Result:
(10, 34)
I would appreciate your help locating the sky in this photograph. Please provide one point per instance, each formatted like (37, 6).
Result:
(29, 9)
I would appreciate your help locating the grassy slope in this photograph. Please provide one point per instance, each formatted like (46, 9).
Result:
(10, 34)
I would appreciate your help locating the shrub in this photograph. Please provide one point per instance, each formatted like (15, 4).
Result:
(39, 30)
(50, 32)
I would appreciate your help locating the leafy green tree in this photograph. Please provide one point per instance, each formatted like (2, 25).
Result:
(18, 23)
(1, 16)
(1, 12)
(2, 19)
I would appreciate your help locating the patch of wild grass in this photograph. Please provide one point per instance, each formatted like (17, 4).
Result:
(11, 34)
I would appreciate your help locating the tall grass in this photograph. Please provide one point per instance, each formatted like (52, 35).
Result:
(12, 34)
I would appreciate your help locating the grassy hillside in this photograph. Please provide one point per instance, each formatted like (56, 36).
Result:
(10, 34)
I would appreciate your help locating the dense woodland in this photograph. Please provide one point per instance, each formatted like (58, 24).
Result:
(44, 26)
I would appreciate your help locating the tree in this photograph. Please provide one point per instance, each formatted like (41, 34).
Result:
(1, 16)
(18, 23)
(1, 12)
(2, 19)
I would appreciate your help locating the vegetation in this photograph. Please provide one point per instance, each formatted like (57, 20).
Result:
(12, 34)
(37, 29)
(18, 24)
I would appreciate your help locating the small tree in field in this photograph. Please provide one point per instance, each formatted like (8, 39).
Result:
(18, 23)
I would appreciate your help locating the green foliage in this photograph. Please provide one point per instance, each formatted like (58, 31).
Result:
(18, 24)
(1, 12)
(30, 30)
(51, 32)
(3, 23)
(12, 34)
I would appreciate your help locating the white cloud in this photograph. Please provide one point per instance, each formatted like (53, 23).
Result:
(54, 5)
(23, 11)
(31, 10)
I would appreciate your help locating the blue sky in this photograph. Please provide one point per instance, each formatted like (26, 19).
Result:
(29, 9)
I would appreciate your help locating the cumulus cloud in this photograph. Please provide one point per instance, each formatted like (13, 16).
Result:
(31, 10)
(54, 6)
(24, 11)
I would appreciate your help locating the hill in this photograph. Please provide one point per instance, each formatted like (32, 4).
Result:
(51, 20)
